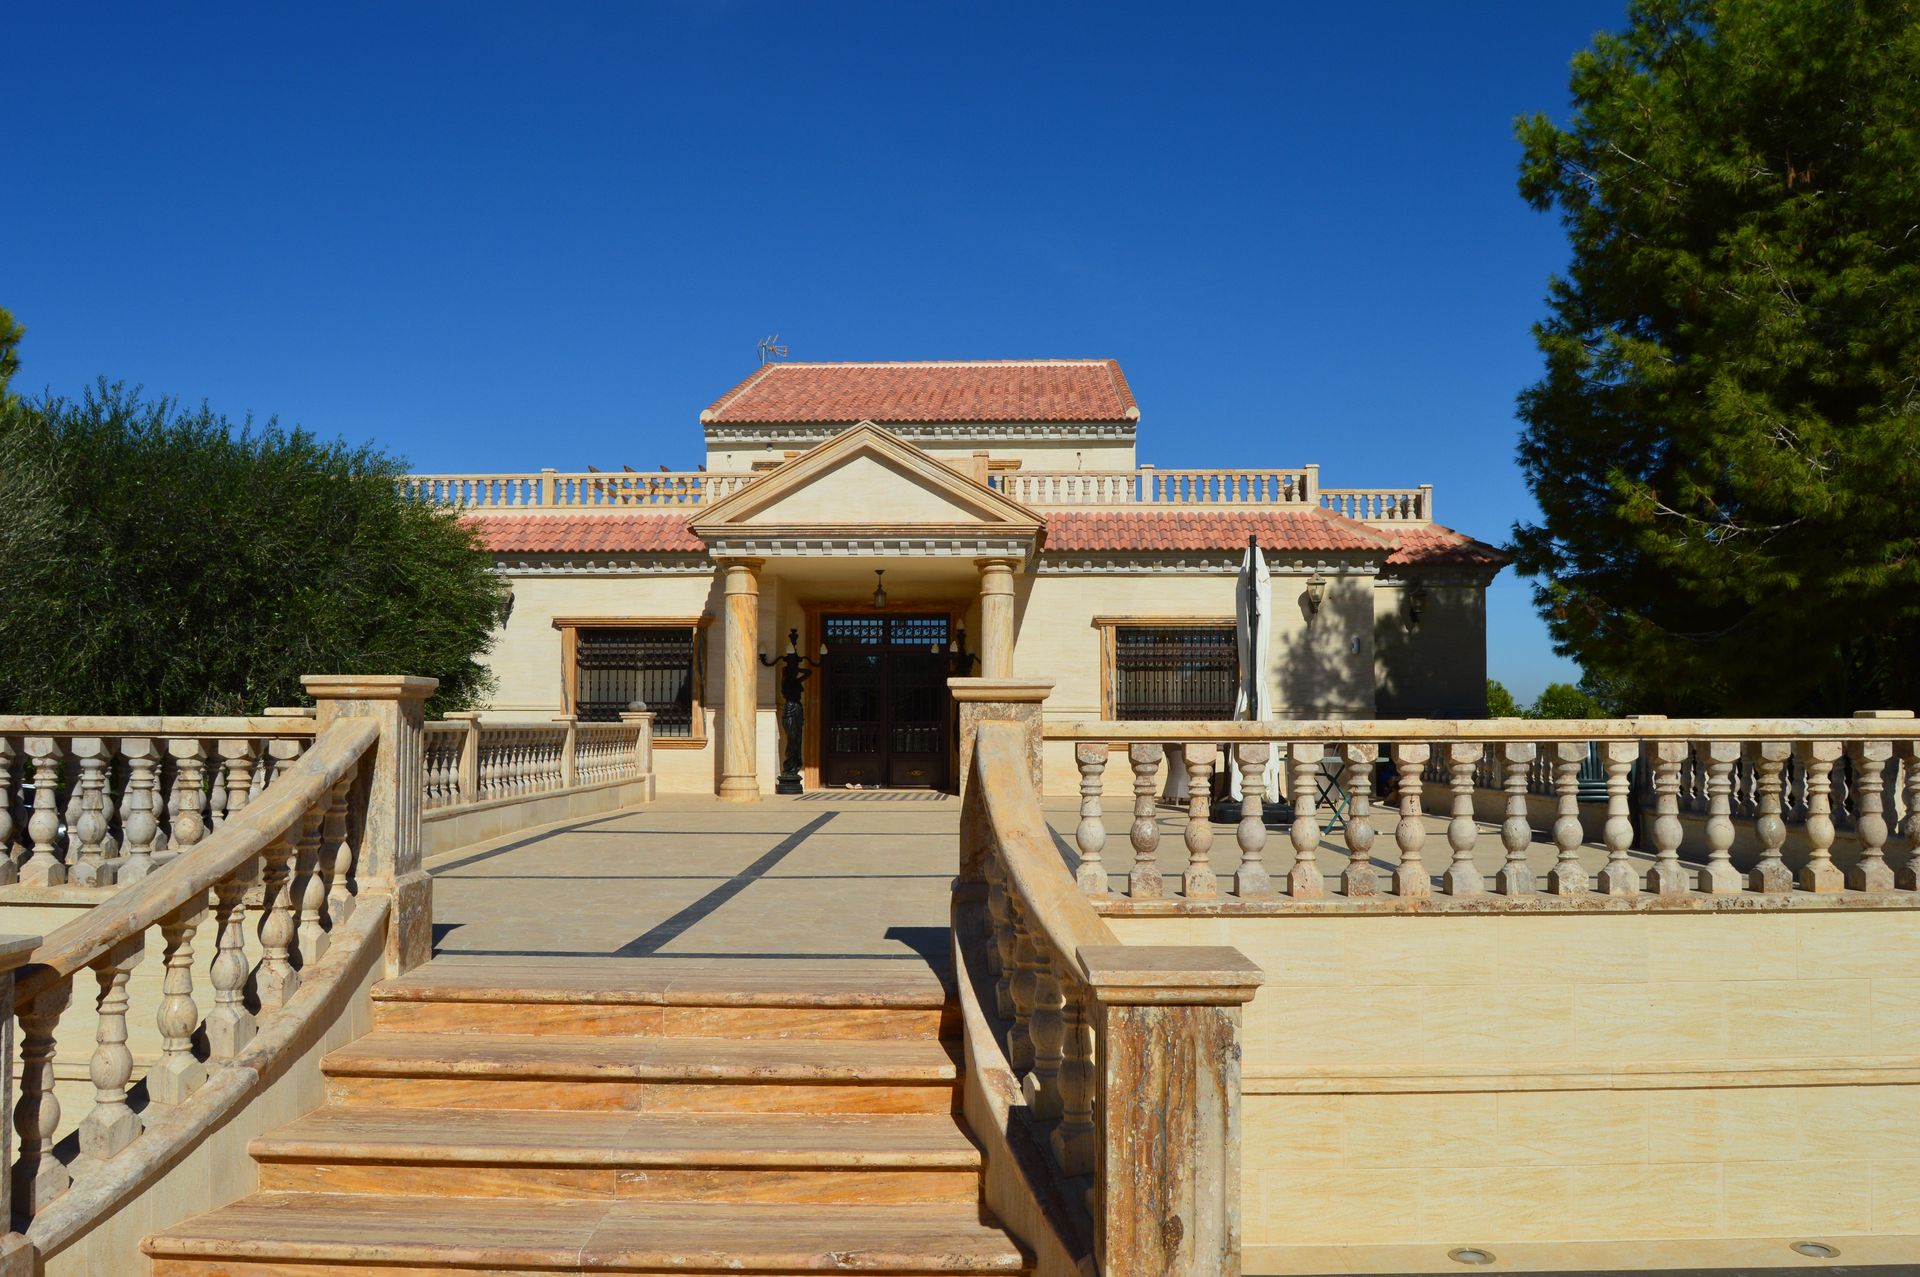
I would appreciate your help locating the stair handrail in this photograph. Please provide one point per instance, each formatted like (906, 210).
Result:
(1127, 1055)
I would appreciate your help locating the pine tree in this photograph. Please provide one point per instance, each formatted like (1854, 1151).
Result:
(1726, 441)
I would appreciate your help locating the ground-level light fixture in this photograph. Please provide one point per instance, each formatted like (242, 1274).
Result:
(879, 587)
(1316, 592)
(1815, 1250)
(1471, 1255)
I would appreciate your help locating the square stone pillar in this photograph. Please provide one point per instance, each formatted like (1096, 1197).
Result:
(1166, 1195)
(739, 779)
(982, 699)
(390, 831)
(642, 747)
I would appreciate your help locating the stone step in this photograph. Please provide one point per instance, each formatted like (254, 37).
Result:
(704, 999)
(768, 1157)
(643, 1074)
(279, 1233)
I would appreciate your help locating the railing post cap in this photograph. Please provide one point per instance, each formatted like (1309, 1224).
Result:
(462, 715)
(368, 687)
(1027, 691)
(1169, 975)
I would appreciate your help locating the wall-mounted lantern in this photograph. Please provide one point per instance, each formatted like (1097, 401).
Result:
(1416, 606)
(1316, 593)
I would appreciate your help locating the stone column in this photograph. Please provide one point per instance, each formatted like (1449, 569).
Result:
(738, 781)
(996, 618)
(390, 837)
(981, 699)
(1167, 1174)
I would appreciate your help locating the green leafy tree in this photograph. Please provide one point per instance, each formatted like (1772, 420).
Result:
(1564, 700)
(10, 334)
(186, 566)
(1500, 702)
(1725, 445)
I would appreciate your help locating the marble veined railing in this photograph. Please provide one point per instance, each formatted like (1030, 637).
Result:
(1611, 797)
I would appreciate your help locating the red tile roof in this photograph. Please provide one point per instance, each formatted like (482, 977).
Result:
(1210, 530)
(1435, 543)
(971, 390)
(585, 533)
(1279, 532)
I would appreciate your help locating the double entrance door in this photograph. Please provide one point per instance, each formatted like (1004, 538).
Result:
(887, 717)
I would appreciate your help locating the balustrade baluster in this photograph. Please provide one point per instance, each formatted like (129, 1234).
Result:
(1410, 876)
(138, 822)
(1516, 831)
(1048, 1029)
(236, 759)
(1569, 876)
(1618, 877)
(178, 1073)
(1668, 877)
(1304, 878)
(1910, 769)
(230, 1026)
(1770, 874)
(187, 824)
(1870, 873)
(1719, 877)
(1073, 1138)
(216, 793)
(309, 890)
(43, 867)
(38, 1175)
(1091, 834)
(87, 817)
(1251, 878)
(1143, 882)
(9, 867)
(1021, 987)
(336, 856)
(112, 1125)
(276, 980)
(1463, 875)
(1819, 874)
(1000, 953)
(1200, 882)
(1359, 878)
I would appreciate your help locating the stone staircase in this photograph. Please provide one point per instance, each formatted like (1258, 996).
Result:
(712, 1123)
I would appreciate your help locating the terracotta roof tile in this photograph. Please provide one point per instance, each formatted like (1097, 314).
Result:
(972, 390)
(585, 533)
(1436, 543)
(1210, 530)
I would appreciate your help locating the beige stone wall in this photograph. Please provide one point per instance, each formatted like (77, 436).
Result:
(1482, 1079)
(1439, 668)
(1322, 664)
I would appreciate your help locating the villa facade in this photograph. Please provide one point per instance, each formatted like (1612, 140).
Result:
(894, 524)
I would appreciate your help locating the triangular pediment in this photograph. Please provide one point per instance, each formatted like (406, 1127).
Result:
(866, 478)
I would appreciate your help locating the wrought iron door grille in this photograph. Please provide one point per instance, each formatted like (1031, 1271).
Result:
(617, 666)
(1168, 672)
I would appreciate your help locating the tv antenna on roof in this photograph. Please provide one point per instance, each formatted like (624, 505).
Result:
(770, 352)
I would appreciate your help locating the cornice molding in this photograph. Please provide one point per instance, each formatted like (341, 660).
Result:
(812, 432)
(776, 544)
(1203, 562)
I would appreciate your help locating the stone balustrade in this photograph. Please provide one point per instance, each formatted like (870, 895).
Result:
(1126, 1056)
(277, 832)
(467, 761)
(99, 801)
(1608, 797)
(552, 490)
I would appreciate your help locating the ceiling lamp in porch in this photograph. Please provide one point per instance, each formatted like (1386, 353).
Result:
(879, 587)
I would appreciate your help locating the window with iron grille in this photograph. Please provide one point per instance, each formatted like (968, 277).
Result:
(1167, 672)
(657, 665)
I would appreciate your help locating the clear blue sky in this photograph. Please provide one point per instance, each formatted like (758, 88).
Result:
(505, 237)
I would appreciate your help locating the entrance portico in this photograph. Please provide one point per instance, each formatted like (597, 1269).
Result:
(805, 544)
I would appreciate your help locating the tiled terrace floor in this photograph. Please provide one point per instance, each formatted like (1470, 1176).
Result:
(856, 885)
